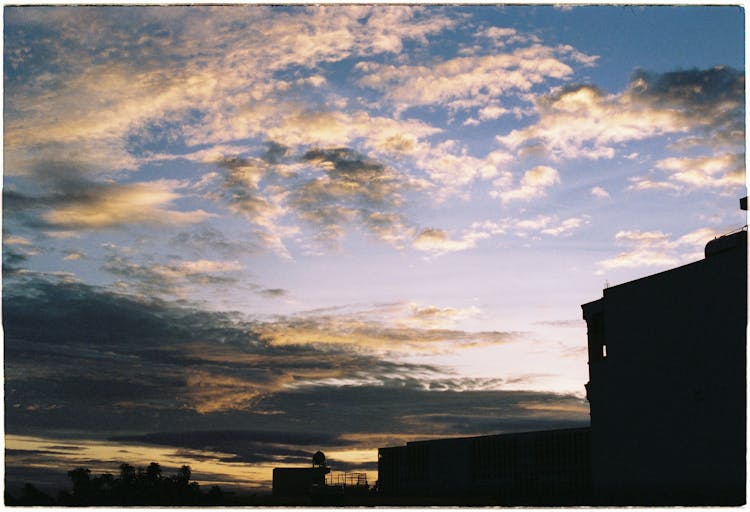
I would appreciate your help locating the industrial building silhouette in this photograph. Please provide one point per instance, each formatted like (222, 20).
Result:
(667, 394)
(550, 467)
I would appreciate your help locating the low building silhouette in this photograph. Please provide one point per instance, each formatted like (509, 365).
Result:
(299, 482)
(667, 383)
(317, 485)
(542, 467)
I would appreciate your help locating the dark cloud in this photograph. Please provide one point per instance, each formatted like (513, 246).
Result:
(12, 260)
(406, 409)
(203, 438)
(78, 354)
(9, 452)
(58, 184)
(242, 187)
(713, 99)
(340, 188)
(273, 292)
(64, 198)
(353, 189)
(246, 446)
(207, 240)
(275, 152)
(693, 88)
(169, 278)
(340, 465)
(87, 363)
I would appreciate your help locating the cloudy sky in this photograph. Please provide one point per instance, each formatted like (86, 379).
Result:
(235, 235)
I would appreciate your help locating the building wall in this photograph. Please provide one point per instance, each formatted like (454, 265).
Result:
(548, 466)
(551, 467)
(667, 383)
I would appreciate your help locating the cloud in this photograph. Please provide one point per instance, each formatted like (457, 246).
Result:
(654, 248)
(105, 84)
(73, 255)
(452, 169)
(706, 107)
(118, 205)
(137, 354)
(16, 252)
(15, 240)
(263, 206)
(550, 225)
(471, 81)
(435, 316)
(12, 259)
(172, 278)
(577, 323)
(248, 446)
(437, 241)
(350, 330)
(346, 187)
(600, 193)
(532, 185)
(386, 421)
(84, 360)
(326, 190)
(71, 203)
(723, 172)
(274, 293)
(719, 171)
(205, 239)
(646, 183)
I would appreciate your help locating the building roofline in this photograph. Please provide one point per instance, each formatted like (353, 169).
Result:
(742, 232)
(504, 434)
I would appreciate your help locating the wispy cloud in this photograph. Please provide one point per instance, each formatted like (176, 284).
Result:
(472, 81)
(358, 333)
(656, 249)
(171, 278)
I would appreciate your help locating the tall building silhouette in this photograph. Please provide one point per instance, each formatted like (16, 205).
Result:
(667, 394)
(667, 383)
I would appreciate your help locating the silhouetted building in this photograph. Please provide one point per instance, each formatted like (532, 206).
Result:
(299, 482)
(544, 467)
(667, 383)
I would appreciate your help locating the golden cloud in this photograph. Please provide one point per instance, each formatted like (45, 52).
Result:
(116, 205)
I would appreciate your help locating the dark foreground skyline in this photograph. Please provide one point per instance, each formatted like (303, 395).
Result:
(235, 235)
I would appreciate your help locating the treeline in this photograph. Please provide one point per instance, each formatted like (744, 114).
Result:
(133, 487)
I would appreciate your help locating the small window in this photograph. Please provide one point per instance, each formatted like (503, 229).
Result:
(604, 350)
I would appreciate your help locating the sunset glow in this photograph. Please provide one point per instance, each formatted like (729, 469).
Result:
(236, 235)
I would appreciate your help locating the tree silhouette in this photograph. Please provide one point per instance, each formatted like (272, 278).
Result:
(133, 487)
(153, 472)
(183, 475)
(127, 472)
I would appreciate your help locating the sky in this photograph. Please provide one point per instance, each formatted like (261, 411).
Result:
(235, 235)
